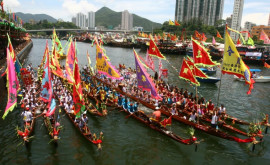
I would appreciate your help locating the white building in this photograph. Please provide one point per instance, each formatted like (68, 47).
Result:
(73, 20)
(269, 20)
(248, 26)
(237, 17)
(127, 21)
(91, 20)
(81, 20)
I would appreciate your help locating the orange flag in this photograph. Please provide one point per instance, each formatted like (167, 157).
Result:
(176, 23)
(218, 35)
(154, 51)
(186, 74)
(159, 37)
(266, 65)
(198, 35)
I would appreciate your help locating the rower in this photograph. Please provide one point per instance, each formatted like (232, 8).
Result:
(173, 109)
(135, 107)
(27, 116)
(157, 114)
(131, 108)
(193, 116)
(210, 106)
(68, 107)
(83, 122)
(222, 110)
(214, 121)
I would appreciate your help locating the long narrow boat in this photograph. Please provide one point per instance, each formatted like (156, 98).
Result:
(139, 115)
(52, 130)
(92, 110)
(88, 136)
(181, 118)
(27, 130)
(151, 106)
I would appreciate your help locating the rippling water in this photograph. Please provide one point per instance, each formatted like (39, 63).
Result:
(127, 141)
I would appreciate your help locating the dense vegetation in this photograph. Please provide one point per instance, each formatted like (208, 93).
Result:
(37, 17)
(44, 24)
(110, 19)
(194, 24)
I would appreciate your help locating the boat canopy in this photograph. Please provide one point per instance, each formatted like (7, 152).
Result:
(255, 70)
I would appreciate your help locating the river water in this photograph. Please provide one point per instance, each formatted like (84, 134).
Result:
(128, 141)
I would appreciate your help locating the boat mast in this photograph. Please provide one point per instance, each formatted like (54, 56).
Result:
(221, 67)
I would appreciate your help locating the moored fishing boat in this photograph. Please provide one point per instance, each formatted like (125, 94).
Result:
(208, 80)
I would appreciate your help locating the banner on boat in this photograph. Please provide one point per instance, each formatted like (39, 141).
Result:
(233, 64)
(143, 78)
(70, 62)
(104, 66)
(12, 84)
(26, 77)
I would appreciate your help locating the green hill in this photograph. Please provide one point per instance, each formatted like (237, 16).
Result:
(37, 17)
(109, 18)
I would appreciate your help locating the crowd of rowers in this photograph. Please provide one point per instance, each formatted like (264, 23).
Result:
(174, 99)
(32, 104)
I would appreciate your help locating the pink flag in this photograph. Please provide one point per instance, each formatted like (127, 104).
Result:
(12, 84)
(159, 68)
(70, 62)
(150, 61)
(264, 37)
(214, 41)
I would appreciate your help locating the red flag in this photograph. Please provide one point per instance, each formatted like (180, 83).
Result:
(77, 89)
(165, 73)
(154, 51)
(186, 74)
(195, 70)
(266, 65)
(176, 23)
(204, 37)
(200, 55)
(218, 35)
(239, 42)
(166, 122)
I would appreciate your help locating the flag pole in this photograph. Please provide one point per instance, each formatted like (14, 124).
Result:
(221, 67)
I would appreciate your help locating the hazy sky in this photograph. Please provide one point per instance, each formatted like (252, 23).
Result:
(256, 11)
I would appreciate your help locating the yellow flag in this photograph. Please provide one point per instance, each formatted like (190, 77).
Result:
(233, 64)
(171, 22)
